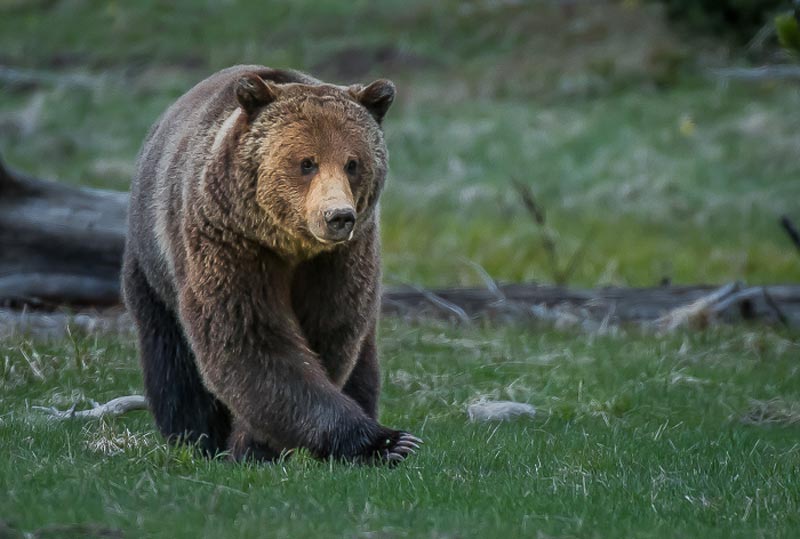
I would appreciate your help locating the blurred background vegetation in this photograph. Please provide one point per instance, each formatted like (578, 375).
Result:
(646, 162)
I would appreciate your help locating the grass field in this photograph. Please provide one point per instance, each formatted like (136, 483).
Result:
(635, 436)
(648, 166)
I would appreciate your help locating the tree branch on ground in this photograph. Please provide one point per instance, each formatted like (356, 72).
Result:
(791, 230)
(112, 408)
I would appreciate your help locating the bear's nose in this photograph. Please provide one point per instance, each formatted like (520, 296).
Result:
(340, 221)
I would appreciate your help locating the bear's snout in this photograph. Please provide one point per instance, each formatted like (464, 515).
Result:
(333, 222)
(340, 222)
(330, 207)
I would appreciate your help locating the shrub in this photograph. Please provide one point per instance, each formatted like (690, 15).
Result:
(739, 20)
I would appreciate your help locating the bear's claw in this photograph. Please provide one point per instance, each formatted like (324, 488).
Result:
(401, 447)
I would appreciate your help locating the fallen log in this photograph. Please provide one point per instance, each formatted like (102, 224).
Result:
(61, 246)
(663, 307)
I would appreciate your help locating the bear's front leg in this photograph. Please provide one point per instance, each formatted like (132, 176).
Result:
(236, 309)
(336, 298)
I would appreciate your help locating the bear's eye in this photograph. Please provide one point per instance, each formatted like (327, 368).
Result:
(351, 167)
(307, 166)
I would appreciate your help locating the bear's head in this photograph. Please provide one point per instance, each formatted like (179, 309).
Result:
(318, 156)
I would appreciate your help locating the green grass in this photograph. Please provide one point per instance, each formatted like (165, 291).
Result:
(636, 436)
(618, 173)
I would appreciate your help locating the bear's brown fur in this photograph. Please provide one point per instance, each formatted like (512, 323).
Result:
(252, 266)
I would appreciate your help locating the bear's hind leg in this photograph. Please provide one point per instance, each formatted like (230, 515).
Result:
(182, 407)
(243, 447)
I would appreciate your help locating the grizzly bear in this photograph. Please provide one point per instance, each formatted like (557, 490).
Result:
(252, 267)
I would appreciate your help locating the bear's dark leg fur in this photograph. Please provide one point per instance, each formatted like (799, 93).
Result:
(364, 383)
(183, 409)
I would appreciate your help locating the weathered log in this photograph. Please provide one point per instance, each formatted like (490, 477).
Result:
(667, 307)
(661, 309)
(59, 244)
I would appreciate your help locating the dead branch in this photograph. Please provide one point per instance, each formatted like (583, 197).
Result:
(782, 318)
(725, 302)
(537, 213)
(443, 304)
(664, 308)
(488, 280)
(559, 274)
(528, 199)
(113, 408)
(791, 230)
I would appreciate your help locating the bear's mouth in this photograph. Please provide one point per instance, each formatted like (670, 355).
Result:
(334, 224)
(331, 241)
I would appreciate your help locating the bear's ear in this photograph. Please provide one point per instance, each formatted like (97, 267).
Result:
(377, 97)
(253, 92)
